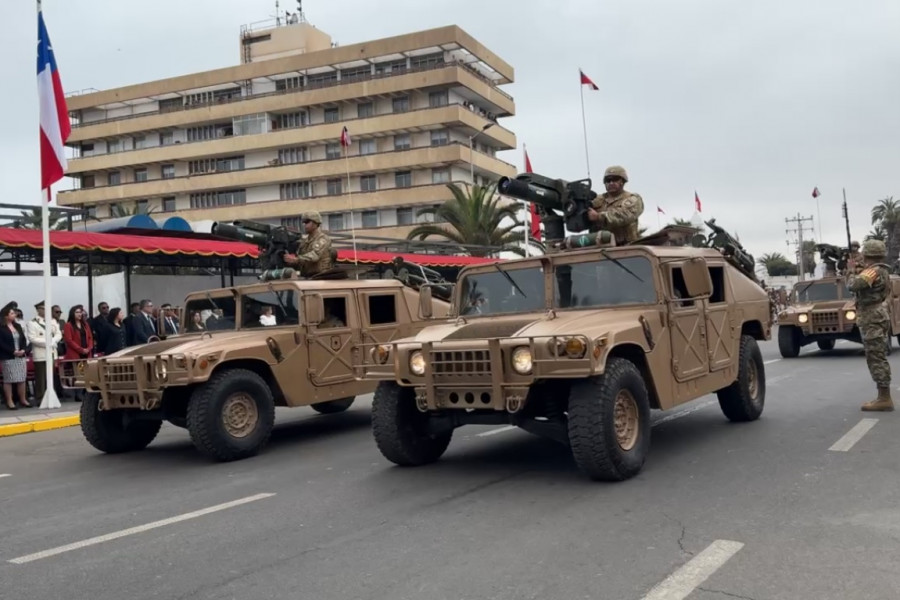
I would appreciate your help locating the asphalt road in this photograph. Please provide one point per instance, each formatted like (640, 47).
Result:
(776, 509)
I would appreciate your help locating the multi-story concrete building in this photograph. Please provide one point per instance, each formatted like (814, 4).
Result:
(261, 140)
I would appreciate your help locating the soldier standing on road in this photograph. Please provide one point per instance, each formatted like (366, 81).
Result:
(314, 253)
(616, 210)
(870, 285)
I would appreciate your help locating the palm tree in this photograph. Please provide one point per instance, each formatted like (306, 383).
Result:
(809, 256)
(33, 219)
(684, 222)
(773, 262)
(119, 210)
(886, 214)
(877, 233)
(473, 217)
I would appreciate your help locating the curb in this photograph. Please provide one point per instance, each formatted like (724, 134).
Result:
(42, 425)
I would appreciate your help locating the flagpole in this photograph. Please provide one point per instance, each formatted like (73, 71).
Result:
(350, 198)
(584, 127)
(819, 217)
(527, 212)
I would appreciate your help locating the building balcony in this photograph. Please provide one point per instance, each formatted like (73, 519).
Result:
(453, 116)
(449, 74)
(398, 160)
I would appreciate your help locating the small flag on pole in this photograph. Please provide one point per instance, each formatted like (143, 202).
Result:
(659, 210)
(587, 80)
(532, 207)
(345, 138)
(815, 193)
(54, 116)
(697, 202)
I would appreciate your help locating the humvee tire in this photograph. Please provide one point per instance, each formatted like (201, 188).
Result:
(826, 344)
(609, 422)
(744, 399)
(334, 406)
(788, 342)
(231, 416)
(400, 428)
(106, 430)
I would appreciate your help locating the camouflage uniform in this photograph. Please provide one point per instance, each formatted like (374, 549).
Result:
(314, 252)
(619, 213)
(870, 286)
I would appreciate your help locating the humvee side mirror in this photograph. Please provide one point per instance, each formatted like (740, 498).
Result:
(426, 308)
(696, 278)
(314, 309)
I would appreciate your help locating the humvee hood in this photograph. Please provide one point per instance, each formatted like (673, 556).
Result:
(191, 342)
(591, 323)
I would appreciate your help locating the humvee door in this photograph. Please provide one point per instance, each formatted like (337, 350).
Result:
(334, 338)
(687, 325)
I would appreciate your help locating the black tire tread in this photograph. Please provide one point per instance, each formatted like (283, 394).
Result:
(734, 400)
(394, 437)
(788, 344)
(113, 440)
(825, 344)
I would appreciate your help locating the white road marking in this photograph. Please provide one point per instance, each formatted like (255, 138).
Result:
(134, 530)
(774, 360)
(854, 435)
(496, 431)
(2, 475)
(690, 576)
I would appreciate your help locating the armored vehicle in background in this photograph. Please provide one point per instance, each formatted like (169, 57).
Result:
(579, 346)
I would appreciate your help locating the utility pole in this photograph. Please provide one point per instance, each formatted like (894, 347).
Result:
(799, 228)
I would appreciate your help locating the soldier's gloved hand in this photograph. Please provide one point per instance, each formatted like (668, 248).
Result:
(290, 259)
(593, 215)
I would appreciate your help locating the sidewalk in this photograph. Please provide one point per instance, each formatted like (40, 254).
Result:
(27, 420)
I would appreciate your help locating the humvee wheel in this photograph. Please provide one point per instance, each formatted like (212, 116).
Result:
(744, 399)
(106, 430)
(400, 429)
(333, 407)
(231, 416)
(609, 422)
(826, 344)
(788, 341)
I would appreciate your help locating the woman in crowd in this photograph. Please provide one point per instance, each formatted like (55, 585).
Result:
(115, 338)
(13, 346)
(77, 334)
(196, 322)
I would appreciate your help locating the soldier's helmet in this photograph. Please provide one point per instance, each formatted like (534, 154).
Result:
(616, 171)
(854, 244)
(312, 216)
(874, 248)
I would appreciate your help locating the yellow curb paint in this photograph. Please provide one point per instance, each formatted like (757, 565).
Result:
(44, 425)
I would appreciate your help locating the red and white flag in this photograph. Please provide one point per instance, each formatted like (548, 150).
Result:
(345, 138)
(697, 202)
(54, 116)
(587, 80)
(815, 193)
(659, 210)
(532, 207)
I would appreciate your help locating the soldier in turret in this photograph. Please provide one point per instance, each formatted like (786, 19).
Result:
(314, 252)
(617, 210)
(871, 286)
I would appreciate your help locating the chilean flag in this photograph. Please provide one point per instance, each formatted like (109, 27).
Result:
(54, 120)
(532, 207)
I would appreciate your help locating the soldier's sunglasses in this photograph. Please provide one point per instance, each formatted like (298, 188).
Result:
(611, 179)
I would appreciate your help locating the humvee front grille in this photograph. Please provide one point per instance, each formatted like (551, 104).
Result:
(121, 376)
(458, 365)
(825, 322)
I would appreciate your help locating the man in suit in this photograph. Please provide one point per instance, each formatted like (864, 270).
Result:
(144, 326)
(98, 325)
(171, 325)
(133, 313)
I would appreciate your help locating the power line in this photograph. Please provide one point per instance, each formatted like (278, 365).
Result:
(799, 228)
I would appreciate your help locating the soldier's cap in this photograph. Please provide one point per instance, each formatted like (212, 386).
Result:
(39, 304)
(312, 216)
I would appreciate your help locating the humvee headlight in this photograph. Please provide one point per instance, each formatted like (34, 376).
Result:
(382, 353)
(417, 363)
(803, 318)
(575, 348)
(161, 369)
(851, 315)
(522, 360)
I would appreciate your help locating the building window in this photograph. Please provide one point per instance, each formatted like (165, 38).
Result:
(290, 156)
(333, 150)
(143, 207)
(440, 175)
(87, 149)
(429, 60)
(366, 109)
(140, 175)
(334, 187)
(335, 221)
(368, 183)
(171, 104)
(356, 73)
(222, 198)
(367, 146)
(168, 171)
(168, 204)
(440, 137)
(370, 218)
(401, 142)
(91, 212)
(401, 104)
(403, 179)
(294, 189)
(213, 165)
(87, 181)
(139, 142)
(441, 98)
(392, 66)
(322, 79)
(114, 178)
(246, 125)
(290, 83)
(291, 120)
(404, 216)
(166, 139)
(113, 209)
(292, 222)
(332, 115)
(113, 146)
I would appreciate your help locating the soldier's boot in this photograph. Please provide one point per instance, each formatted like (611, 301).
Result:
(883, 403)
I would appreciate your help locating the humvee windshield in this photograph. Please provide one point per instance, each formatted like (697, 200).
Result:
(216, 314)
(269, 308)
(820, 292)
(498, 292)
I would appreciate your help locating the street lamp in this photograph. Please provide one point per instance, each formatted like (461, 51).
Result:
(471, 154)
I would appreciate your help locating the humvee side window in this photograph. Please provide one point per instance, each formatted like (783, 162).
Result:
(215, 313)
(717, 274)
(604, 282)
(270, 308)
(335, 312)
(382, 309)
(679, 288)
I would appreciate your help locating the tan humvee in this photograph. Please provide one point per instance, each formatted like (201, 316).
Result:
(577, 346)
(281, 343)
(823, 311)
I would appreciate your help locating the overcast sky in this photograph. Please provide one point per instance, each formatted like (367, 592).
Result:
(751, 104)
